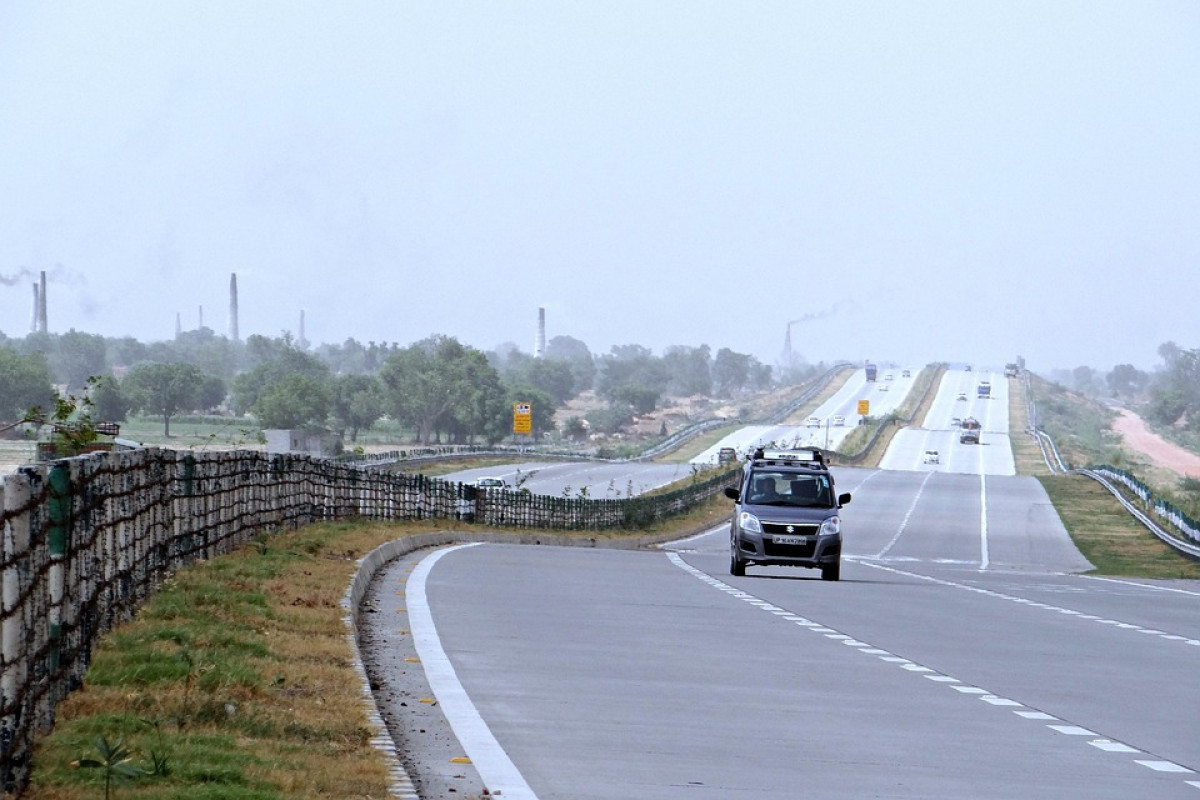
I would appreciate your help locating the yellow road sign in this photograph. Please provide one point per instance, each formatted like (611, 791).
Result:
(523, 418)
(864, 407)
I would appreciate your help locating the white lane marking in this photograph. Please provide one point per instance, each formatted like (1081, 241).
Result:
(1071, 730)
(909, 665)
(983, 529)
(1141, 585)
(907, 516)
(1163, 766)
(1109, 746)
(1033, 603)
(495, 768)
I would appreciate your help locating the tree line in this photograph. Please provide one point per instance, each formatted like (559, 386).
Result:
(438, 387)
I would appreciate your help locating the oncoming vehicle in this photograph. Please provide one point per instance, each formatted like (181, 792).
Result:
(970, 431)
(491, 483)
(932, 457)
(813, 422)
(786, 514)
(962, 395)
(906, 373)
(726, 455)
(838, 420)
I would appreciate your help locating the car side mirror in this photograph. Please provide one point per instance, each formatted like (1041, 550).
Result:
(732, 493)
(843, 499)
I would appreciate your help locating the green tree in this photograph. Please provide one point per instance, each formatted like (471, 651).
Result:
(578, 356)
(689, 369)
(283, 362)
(436, 382)
(108, 400)
(25, 381)
(164, 390)
(1126, 379)
(357, 402)
(77, 357)
(1175, 393)
(295, 401)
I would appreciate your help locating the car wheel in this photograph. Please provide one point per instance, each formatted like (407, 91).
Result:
(832, 572)
(737, 567)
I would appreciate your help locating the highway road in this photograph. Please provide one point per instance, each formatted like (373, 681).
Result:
(885, 395)
(960, 656)
(956, 399)
(600, 479)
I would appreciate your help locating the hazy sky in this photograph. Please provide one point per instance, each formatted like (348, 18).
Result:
(917, 181)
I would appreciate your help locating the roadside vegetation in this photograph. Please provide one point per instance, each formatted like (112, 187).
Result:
(235, 680)
(1108, 536)
(859, 449)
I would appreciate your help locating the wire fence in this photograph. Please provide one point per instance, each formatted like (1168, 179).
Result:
(86, 540)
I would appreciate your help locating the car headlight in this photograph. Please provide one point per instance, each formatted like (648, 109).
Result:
(831, 526)
(749, 522)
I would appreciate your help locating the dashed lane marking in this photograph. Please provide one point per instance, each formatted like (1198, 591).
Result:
(1055, 724)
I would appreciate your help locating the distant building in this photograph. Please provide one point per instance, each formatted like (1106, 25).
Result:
(320, 442)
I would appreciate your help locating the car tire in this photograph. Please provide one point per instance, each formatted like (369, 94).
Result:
(737, 567)
(832, 572)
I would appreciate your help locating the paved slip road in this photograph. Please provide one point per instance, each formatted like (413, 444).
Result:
(959, 657)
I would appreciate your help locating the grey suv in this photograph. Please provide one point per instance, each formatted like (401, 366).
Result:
(786, 514)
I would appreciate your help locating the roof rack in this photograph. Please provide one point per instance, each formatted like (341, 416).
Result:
(806, 456)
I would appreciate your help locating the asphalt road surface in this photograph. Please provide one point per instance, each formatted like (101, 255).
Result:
(960, 656)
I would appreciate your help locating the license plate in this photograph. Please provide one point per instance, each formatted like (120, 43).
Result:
(791, 540)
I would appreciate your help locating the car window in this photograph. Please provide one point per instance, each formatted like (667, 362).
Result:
(790, 489)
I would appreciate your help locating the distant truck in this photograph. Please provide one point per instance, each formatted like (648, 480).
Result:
(984, 390)
(969, 433)
(872, 371)
(1011, 370)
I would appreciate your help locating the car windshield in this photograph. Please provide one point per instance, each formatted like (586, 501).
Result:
(779, 488)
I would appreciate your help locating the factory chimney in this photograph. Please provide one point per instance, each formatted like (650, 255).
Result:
(33, 322)
(178, 325)
(43, 325)
(302, 343)
(539, 346)
(233, 308)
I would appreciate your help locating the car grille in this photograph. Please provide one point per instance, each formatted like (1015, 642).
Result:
(791, 528)
(773, 550)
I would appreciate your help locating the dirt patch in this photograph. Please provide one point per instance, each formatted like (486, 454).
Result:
(1137, 436)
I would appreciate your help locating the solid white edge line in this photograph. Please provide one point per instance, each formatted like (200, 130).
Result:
(496, 769)
(983, 528)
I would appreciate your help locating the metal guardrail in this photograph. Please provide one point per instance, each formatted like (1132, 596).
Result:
(1190, 550)
(1056, 465)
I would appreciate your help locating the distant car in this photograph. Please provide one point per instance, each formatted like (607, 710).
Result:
(813, 422)
(889, 377)
(932, 457)
(969, 436)
(955, 422)
(883, 387)
(839, 420)
(906, 374)
(491, 483)
(726, 455)
(962, 395)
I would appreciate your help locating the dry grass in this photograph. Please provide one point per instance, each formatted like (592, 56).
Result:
(1027, 455)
